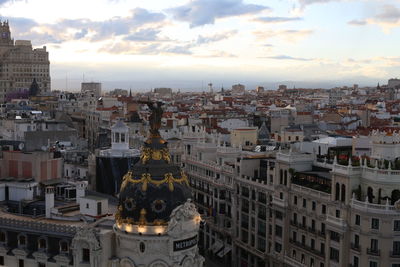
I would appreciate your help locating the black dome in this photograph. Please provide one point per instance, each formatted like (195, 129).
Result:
(153, 187)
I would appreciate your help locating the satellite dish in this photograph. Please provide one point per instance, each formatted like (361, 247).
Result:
(21, 146)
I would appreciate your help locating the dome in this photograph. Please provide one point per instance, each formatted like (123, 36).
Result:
(153, 187)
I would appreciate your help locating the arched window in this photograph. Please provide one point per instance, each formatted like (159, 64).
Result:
(337, 191)
(395, 196)
(343, 193)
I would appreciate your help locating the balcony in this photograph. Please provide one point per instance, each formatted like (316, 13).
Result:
(355, 247)
(374, 252)
(372, 208)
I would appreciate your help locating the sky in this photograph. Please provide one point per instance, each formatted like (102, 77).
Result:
(187, 44)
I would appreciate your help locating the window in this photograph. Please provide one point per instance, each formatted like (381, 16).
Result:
(42, 244)
(295, 200)
(293, 253)
(304, 203)
(356, 240)
(63, 246)
(373, 264)
(312, 243)
(303, 239)
(41, 264)
(2, 237)
(396, 225)
(396, 248)
(374, 245)
(294, 236)
(1, 260)
(335, 236)
(85, 255)
(20, 263)
(334, 254)
(323, 209)
(278, 247)
(22, 240)
(355, 261)
(304, 221)
(278, 230)
(358, 220)
(375, 223)
(322, 228)
(322, 248)
(337, 214)
(314, 205)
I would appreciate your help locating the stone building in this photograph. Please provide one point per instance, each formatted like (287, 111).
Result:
(20, 65)
(297, 209)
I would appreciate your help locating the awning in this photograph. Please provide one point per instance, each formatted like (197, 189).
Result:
(224, 251)
(217, 246)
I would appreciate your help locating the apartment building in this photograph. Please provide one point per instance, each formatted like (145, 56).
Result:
(297, 209)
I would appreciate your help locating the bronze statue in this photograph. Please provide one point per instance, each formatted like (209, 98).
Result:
(155, 116)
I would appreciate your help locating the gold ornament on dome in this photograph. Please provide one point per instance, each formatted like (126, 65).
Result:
(155, 154)
(146, 179)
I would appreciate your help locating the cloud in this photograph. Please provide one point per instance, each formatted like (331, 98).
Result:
(126, 48)
(388, 18)
(277, 19)
(304, 3)
(285, 57)
(2, 2)
(215, 38)
(202, 12)
(82, 33)
(144, 35)
(75, 29)
(288, 35)
(357, 22)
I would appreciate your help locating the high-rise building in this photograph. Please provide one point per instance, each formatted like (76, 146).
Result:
(20, 65)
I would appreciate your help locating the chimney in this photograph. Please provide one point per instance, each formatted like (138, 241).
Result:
(49, 200)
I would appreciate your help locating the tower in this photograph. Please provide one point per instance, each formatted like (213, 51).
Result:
(156, 222)
(5, 34)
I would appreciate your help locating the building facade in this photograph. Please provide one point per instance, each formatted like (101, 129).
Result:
(20, 65)
(294, 208)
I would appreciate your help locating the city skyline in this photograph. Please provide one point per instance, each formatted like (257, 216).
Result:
(185, 44)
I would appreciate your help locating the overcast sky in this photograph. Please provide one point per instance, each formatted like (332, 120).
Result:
(139, 44)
